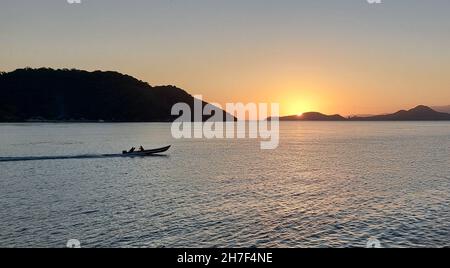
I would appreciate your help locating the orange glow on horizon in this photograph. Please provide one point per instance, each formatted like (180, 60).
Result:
(299, 103)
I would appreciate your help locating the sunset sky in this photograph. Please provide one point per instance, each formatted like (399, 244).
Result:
(333, 56)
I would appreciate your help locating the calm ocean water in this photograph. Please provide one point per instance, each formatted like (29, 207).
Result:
(327, 185)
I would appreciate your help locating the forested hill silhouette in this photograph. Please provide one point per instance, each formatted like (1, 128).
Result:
(74, 95)
(419, 113)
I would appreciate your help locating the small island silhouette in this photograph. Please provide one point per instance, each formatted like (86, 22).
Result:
(419, 113)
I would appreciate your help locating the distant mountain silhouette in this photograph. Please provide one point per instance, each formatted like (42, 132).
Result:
(74, 95)
(419, 113)
(442, 109)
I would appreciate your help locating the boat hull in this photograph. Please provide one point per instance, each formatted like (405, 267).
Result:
(148, 152)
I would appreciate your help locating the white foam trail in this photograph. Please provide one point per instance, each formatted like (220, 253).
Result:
(63, 157)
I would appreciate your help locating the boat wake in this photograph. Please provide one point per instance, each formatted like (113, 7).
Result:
(63, 157)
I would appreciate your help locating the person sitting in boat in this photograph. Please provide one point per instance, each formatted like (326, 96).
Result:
(132, 150)
(141, 149)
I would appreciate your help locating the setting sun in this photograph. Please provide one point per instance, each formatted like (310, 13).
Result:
(298, 107)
